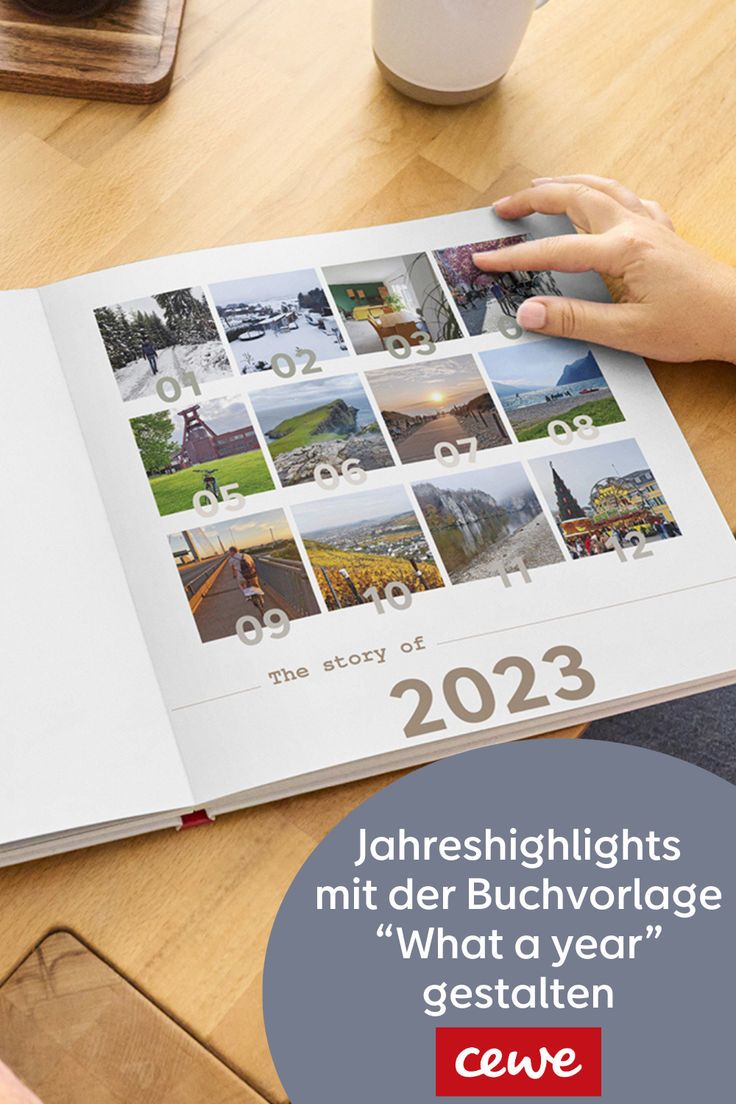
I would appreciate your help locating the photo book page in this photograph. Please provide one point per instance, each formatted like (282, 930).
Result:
(366, 520)
(85, 735)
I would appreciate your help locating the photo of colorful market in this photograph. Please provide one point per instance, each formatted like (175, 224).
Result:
(604, 497)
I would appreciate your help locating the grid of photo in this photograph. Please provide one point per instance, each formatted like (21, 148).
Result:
(319, 421)
(391, 297)
(246, 566)
(483, 298)
(284, 313)
(424, 405)
(365, 540)
(472, 523)
(169, 334)
(538, 382)
(604, 496)
(487, 519)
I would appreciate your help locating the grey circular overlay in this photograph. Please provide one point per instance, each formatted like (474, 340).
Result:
(347, 1007)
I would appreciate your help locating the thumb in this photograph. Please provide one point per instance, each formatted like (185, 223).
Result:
(600, 323)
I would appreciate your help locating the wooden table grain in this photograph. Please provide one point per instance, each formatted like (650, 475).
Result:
(73, 1030)
(278, 124)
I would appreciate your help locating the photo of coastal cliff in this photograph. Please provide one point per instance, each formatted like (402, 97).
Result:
(542, 381)
(487, 519)
(424, 405)
(325, 421)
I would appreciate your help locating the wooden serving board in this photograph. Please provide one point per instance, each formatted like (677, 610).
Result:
(75, 1030)
(125, 54)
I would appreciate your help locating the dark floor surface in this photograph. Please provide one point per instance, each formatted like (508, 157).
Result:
(700, 730)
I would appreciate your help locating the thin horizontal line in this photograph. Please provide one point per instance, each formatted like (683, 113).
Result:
(219, 697)
(582, 613)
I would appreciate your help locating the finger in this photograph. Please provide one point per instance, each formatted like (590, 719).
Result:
(614, 324)
(12, 1091)
(567, 253)
(623, 195)
(588, 208)
(658, 213)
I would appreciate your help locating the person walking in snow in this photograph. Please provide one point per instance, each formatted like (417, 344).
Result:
(149, 352)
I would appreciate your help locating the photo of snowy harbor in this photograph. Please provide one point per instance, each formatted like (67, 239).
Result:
(285, 313)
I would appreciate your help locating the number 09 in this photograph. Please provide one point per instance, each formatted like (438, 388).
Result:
(250, 631)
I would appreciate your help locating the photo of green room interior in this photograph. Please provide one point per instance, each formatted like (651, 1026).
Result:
(395, 296)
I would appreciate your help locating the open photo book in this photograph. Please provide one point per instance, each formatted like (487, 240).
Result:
(281, 515)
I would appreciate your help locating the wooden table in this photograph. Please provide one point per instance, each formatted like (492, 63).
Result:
(279, 124)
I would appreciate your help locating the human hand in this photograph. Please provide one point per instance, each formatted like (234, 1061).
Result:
(12, 1091)
(674, 302)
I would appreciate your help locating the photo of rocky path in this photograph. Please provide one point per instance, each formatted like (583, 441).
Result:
(487, 520)
(533, 543)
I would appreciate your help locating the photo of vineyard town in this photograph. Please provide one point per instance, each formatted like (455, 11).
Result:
(170, 334)
(365, 540)
(246, 566)
(201, 447)
(426, 404)
(542, 381)
(487, 519)
(283, 313)
(485, 298)
(605, 497)
(321, 421)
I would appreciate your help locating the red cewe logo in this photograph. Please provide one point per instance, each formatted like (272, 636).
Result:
(518, 1061)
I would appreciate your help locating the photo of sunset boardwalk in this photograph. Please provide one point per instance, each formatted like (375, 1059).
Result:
(244, 567)
(439, 401)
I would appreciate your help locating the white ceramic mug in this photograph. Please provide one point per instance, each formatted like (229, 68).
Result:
(448, 51)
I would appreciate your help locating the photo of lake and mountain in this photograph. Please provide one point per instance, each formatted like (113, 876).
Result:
(542, 381)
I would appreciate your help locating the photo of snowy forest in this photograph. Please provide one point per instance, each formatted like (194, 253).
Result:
(169, 334)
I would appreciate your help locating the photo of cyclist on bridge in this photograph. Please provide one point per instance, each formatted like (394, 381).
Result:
(245, 572)
(246, 566)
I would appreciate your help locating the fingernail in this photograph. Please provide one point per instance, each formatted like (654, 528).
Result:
(542, 180)
(502, 200)
(532, 315)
